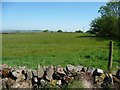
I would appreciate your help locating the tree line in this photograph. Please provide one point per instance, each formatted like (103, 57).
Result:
(108, 24)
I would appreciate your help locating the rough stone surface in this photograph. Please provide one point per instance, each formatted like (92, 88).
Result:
(35, 72)
(29, 74)
(90, 70)
(49, 73)
(56, 77)
(5, 66)
(84, 69)
(98, 72)
(98, 80)
(59, 82)
(40, 71)
(18, 74)
(118, 74)
(43, 82)
(60, 70)
(4, 83)
(5, 72)
(70, 68)
(0, 83)
(115, 80)
(107, 81)
(79, 68)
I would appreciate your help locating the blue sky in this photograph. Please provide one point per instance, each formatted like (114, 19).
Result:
(68, 16)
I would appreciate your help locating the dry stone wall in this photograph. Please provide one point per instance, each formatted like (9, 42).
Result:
(56, 77)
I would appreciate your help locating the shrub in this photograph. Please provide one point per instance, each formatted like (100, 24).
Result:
(79, 31)
(59, 31)
(45, 30)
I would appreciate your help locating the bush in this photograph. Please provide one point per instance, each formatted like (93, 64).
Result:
(59, 31)
(79, 31)
(45, 30)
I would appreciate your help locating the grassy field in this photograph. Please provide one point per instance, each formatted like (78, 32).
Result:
(31, 49)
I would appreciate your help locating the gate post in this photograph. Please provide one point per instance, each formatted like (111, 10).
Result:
(110, 55)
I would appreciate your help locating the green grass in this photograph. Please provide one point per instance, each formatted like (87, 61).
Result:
(31, 49)
(76, 84)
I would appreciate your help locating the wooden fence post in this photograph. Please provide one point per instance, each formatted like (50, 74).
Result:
(110, 55)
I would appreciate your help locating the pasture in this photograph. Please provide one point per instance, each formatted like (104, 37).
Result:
(31, 49)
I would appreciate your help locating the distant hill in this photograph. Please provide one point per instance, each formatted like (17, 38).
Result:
(21, 31)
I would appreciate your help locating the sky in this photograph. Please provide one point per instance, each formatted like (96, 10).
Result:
(67, 16)
(57, 0)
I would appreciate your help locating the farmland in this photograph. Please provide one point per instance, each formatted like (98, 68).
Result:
(30, 49)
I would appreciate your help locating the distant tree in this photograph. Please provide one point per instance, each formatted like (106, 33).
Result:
(79, 31)
(45, 30)
(59, 31)
(51, 31)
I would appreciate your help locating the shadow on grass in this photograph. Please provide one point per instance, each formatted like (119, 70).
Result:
(98, 38)
(86, 36)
